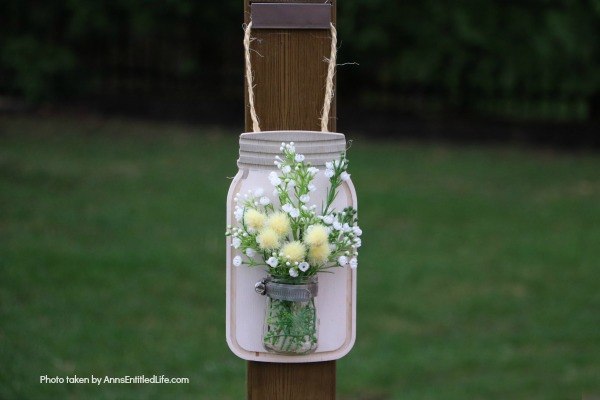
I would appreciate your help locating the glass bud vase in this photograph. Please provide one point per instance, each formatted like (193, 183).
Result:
(291, 321)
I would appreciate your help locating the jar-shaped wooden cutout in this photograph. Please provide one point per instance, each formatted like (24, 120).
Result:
(255, 274)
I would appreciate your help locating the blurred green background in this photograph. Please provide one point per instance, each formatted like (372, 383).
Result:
(477, 279)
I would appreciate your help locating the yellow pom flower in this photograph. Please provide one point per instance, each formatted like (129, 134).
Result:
(268, 239)
(254, 219)
(294, 251)
(279, 222)
(316, 235)
(319, 254)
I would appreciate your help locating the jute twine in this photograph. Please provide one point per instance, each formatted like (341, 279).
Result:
(329, 92)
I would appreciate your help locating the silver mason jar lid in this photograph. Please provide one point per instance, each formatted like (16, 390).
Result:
(287, 291)
(258, 150)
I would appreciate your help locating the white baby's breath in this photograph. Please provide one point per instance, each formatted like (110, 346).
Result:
(274, 179)
(293, 272)
(238, 213)
(236, 242)
(265, 201)
(272, 262)
(237, 261)
(354, 263)
(303, 266)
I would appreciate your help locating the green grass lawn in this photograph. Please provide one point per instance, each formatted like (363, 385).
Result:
(479, 275)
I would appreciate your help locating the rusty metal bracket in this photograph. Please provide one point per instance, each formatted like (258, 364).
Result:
(290, 15)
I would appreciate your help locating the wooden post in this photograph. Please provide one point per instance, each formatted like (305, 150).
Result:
(289, 69)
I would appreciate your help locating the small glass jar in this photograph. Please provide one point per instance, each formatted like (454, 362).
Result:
(291, 321)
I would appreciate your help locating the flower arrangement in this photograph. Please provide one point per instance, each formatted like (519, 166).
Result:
(294, 241)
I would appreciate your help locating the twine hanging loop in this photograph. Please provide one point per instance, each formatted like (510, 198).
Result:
(329, 90)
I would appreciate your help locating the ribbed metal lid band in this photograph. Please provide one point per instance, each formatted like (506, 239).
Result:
(258, 150)
(285, 291)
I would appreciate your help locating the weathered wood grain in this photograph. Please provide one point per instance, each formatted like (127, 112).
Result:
(309, 381)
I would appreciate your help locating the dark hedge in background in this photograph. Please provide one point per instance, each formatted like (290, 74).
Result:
(518, 60)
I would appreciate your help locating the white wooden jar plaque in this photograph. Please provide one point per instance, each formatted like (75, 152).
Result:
(336, 300)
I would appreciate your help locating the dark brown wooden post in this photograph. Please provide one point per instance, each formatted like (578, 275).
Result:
(289, 69)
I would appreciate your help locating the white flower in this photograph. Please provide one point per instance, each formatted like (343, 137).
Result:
(313, 171)
(287, 207)
(337, 226)
(237, 261)
(238, 213)
(329, 165)
(258, 192)
(294, 213)
(357, 231)
(346, 228)
(304, 266)
(328, 219)
(274, 179)
(345, 176)
(292, 183)
(354, 263)
(236, 242)
(286, 169)
(357, 242)
(272, 261)
(250, 252)
(329, 173)
(305, 198)
(299, 157)
(343, 260)
(264, 201)
(293, 272)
